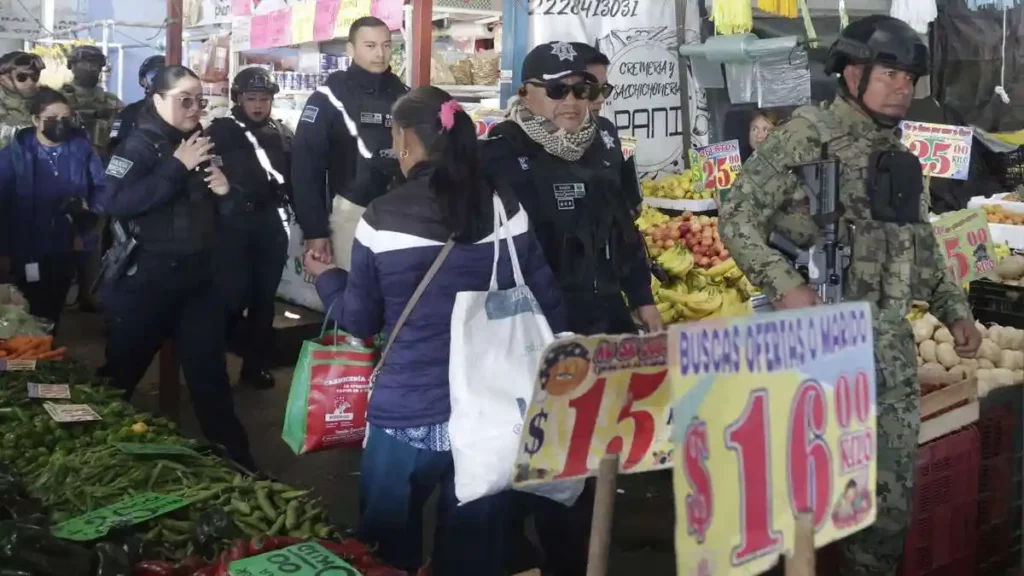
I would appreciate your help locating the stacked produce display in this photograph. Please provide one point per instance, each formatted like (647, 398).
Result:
(72, 449)
(675, 187)
(700, 278)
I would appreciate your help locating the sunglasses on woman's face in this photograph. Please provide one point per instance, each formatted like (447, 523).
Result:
(606, 90)
(190, 102)
(560, 90)
(26, 76)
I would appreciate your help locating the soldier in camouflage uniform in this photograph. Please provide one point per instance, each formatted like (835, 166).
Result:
(96, 109)
(19, 81)
(894, 261)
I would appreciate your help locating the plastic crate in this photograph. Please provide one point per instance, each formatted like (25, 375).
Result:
(943, 532)
(1006, 167)
(996, 429)
(999, 547)
(995, 490)
(1000, 488)
(995, 302)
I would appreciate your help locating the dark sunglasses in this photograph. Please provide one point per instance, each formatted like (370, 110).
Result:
(606, 90)
(190, 102)
(26, 76)
(560, 90)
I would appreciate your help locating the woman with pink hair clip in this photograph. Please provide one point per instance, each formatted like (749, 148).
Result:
(426, 240)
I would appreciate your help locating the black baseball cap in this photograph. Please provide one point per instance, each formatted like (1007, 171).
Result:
(555, 60)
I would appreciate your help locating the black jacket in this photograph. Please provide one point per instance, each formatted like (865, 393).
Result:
(169, 208)
(324, 152)
(123, 125)
(579, 210)
(250, 183)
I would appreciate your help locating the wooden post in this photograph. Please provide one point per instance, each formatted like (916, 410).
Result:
(423, 38)
(801, 563)
(170, 387)
(604, 512)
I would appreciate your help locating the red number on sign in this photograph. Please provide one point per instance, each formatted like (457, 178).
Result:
(863, 395)
(975, 237)
(640, 386)
(709, 174)
(920, 149)
(844, 402)
(958, 262)
(588, 405)
(724, 173)
(749, 437)
(699, 506)
(940, 163)
(810, 462)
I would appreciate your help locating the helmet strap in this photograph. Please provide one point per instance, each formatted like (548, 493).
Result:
(882, 120)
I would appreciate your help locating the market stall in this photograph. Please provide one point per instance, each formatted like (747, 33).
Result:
(89, 486)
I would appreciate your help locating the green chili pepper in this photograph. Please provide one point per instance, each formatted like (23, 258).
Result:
(264, 501)
(292, 515)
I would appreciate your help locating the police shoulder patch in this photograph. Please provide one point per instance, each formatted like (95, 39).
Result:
(119, 166)
(309, 114)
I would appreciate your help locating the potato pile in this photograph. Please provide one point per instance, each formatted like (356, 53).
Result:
(1000, 360)
(1010, 269)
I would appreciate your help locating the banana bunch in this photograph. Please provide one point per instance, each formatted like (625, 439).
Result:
(677, 261)
(1002, 250)
(650, 217)
(733, 16)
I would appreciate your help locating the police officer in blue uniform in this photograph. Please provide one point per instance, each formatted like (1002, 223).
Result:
(342, 154)
(253, 242)
(163, 187)
(124, 123)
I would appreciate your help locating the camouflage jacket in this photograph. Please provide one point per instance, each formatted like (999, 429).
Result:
(893, 264)
(96, 108)
(13, 115)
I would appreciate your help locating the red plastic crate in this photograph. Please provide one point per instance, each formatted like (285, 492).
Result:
(943, 532)
(995, 486)
(996, 549)
(995, 427)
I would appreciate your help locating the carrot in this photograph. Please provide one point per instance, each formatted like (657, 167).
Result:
(55, 354)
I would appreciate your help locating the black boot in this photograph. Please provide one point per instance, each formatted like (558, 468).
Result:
(256, 378)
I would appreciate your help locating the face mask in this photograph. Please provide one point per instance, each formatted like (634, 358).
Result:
(86, 78)
(57, 130)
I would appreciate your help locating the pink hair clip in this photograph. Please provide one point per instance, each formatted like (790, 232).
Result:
(447, 114)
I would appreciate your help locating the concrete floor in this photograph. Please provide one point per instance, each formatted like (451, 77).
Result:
(644, 515)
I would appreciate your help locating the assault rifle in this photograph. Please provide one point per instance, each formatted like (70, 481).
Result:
(118, 258)
(824, 264)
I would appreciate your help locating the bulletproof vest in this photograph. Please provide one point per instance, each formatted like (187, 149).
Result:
(14, 115)
(263, 181)
(581, 218)
(97, 109)
(185, 225)
(367, 119)
(894, 251)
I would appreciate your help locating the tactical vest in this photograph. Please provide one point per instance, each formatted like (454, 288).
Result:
(367, 118)
(892, 263)
(13, 115)
(184, 226)
(97, 110)
(581, 217)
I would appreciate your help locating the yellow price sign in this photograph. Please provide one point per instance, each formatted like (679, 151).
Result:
(303, 16)
(966, 243)
(350, 11)
(775, 417)
(597, 396)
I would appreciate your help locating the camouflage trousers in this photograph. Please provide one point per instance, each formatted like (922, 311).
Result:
(878, 550)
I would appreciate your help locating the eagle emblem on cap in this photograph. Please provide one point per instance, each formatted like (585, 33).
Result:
(563, 50)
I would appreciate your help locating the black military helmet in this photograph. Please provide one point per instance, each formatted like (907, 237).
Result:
(18, 59)
(87, 52)
(150, 66)
(882, 40)
(253, 79)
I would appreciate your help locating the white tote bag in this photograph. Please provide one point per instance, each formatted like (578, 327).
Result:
(498, 338)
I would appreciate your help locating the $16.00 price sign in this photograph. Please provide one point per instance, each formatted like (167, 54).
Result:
(596, 396)
(775, 416)
(966, 243)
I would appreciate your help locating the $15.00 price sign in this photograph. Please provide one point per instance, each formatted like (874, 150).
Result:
(966, 243)
(597, 396)
(944, 150)
(775, 416)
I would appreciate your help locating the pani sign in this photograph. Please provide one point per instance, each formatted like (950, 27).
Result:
(775, 416)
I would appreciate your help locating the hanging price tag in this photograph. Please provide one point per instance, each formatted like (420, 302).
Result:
(775, 415)
(597, 396)
(349, 12)
(719, 164)
(966, 242)
(944, 150)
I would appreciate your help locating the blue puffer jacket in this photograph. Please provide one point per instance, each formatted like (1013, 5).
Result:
(30, 194)
(398, 239)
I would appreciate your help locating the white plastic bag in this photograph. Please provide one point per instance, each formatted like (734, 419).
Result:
(498, 337)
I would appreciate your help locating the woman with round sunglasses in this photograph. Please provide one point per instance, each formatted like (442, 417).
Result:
(163, 185)
(564, 164)
(19, 81)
